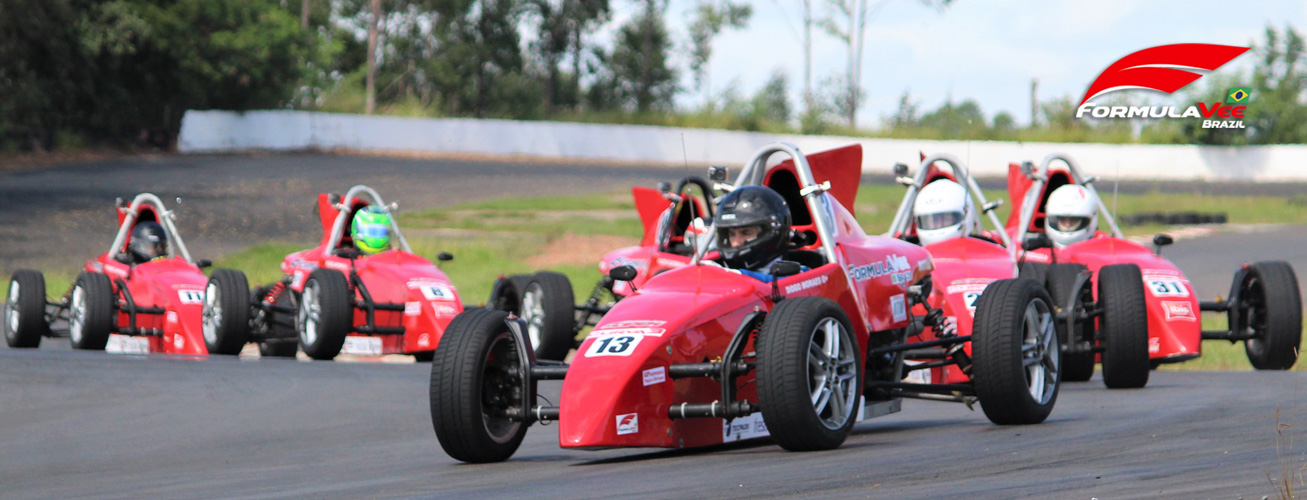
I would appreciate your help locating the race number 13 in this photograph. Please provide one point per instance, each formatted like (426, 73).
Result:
(618, 345)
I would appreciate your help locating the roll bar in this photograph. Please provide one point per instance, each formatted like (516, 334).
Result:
(343, 208)
(1040, 177)
(755, 171)
(175, 244)
(903, 218)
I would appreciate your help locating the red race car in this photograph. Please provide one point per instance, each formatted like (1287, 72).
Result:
(942, 211)
(337, 297)
(704, 354)
(1264, 307)
(142, 296)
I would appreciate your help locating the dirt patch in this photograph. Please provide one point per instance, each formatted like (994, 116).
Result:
(573, 249)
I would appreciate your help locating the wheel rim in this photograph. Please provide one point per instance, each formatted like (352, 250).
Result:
(1039, 351)
(832, 373)
(77, 320)
(533, 312)
(501, 386)
(310, 312)
(1253, 314)
(11, 307)
(211, 314)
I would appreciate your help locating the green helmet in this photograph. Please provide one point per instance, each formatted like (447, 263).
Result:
(371, 230)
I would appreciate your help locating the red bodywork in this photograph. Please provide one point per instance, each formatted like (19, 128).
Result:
(394, 276)
(1174, 320)
(689, 314)
(171, 284)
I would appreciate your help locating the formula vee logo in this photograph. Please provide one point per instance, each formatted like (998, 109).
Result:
(1168, 68)
(893, 264)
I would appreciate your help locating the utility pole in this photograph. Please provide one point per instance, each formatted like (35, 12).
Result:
(1034, 102)
(304, 15)
(807, 54)
(371, 103)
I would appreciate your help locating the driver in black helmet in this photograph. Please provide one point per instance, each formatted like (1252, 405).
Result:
(148, 242)
(753, 230)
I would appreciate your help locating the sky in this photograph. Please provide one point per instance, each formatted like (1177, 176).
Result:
(983, 50)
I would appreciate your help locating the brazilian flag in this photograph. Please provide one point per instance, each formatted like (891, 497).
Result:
(1238, 96)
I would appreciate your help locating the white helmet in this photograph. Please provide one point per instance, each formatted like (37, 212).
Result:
(1072, 215)
(944, 211)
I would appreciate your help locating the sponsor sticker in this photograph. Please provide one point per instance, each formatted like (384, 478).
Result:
(649, 332)
(806, 284)
(424, 340)
(628, 423)
(412, 308)
(655, 376)
(362, 346)
(126, 344)
(1182, 311)
(746, 427)
(190, 296)
(899, 307)
(171, 318)
(445, 310)
(337, 265)
(633, 323)
(178, 341)
(1154, 344)
(892, 264)
(617, 345)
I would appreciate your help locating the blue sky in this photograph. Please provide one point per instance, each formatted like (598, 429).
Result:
(983, 50)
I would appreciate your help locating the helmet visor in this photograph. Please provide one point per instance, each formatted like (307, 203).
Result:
(736, 237)
(939, 221)
(1067, 223)
(369, 230)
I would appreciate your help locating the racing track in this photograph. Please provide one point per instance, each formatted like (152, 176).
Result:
(78, 424)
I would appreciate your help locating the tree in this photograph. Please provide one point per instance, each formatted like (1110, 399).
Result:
(640, 60)
(772, 101)
(1277, 114)
(710, 18)
(562, 24)
(480, 64)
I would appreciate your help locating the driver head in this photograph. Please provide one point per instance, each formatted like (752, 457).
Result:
(371, 230)
(943, 211)
(1071, 215)
(753, 227)
(149, 242)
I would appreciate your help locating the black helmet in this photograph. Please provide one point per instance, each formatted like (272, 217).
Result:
(148, 242)
(758, 207)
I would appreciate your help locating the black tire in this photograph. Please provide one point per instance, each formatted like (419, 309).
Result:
(1271, 309)
(226, 313)
(90, 324)
(25, 310)
(1060, 280)
(1124, 326)
(474, 377)
(424, 356)
(327, 294)
(283, 341)
(1037, 271)
(506, 294)
(1005, 386)
(786, 384)
(551, 322)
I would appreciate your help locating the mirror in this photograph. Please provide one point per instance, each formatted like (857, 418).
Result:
(203, 263)
(1162, 240)
(1036, 242)
(1028, 169)
(622, 273)
(664, 187)
(717, 174)
(785, 268)
(900, 169)
(444, 256)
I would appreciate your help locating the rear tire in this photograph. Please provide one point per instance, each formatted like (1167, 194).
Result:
(506, 294)
(1015, 353)
(1061, 279)
(1124, 326)
(325, 313)
(1037, 271)
(25, 310)
(475, 376)
(808, 351)
(91, 312)
(549, 309)
(1271, 308)
(226, 313)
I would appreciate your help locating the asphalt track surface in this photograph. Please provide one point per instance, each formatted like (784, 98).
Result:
(94, 425)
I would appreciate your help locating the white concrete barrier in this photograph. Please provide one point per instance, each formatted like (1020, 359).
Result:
(218, 131)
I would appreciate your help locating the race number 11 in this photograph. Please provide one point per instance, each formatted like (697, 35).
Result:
(619, 345)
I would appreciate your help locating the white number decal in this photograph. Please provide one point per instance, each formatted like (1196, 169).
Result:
(1167, 287)
(617, 345)
(190, 296)
(970, 298)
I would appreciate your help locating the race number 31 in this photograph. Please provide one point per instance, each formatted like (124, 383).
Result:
(618, 345)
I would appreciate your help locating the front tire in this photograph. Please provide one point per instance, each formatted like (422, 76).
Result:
(91, 312)
(226, 314)
(1124, 326)
(1271, 310)
(1015, 353)
(809, 374)
(548, 308)
(325, 313)
(476, 376)
(25, 310)
(1076, 367)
